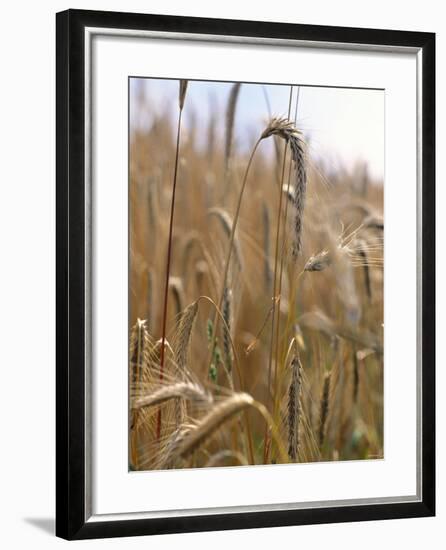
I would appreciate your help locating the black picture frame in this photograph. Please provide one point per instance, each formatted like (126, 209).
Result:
(71, 521)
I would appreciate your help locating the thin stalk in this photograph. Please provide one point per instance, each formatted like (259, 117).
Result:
(276, 261)
(230, 246)
(274, 431)
(169, 256)
(218, 315)
(282, 261)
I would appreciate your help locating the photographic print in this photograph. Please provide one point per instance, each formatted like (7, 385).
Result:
(220, 274)
(255, 274)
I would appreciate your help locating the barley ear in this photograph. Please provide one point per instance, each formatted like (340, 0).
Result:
(185, 390)
(219, 414)
(286, 130)
(293, 410)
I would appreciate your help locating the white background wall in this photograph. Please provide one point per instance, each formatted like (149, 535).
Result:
(27, 268)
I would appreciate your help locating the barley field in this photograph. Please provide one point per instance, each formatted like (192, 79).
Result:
(255, 289)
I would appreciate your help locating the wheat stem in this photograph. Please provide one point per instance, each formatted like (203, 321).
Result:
(276, 259)
(230, 247)
(183, 88)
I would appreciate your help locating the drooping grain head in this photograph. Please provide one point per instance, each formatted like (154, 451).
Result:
(318, 262)
(281, 127)
(219, 414)
(180, 390)
(286, 130)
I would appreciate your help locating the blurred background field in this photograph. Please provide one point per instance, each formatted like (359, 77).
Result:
(315, 321)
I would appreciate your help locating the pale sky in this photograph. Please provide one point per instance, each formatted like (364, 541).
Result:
(343, 126)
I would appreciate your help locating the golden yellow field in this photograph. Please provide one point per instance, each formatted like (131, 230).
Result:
(273, 340)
